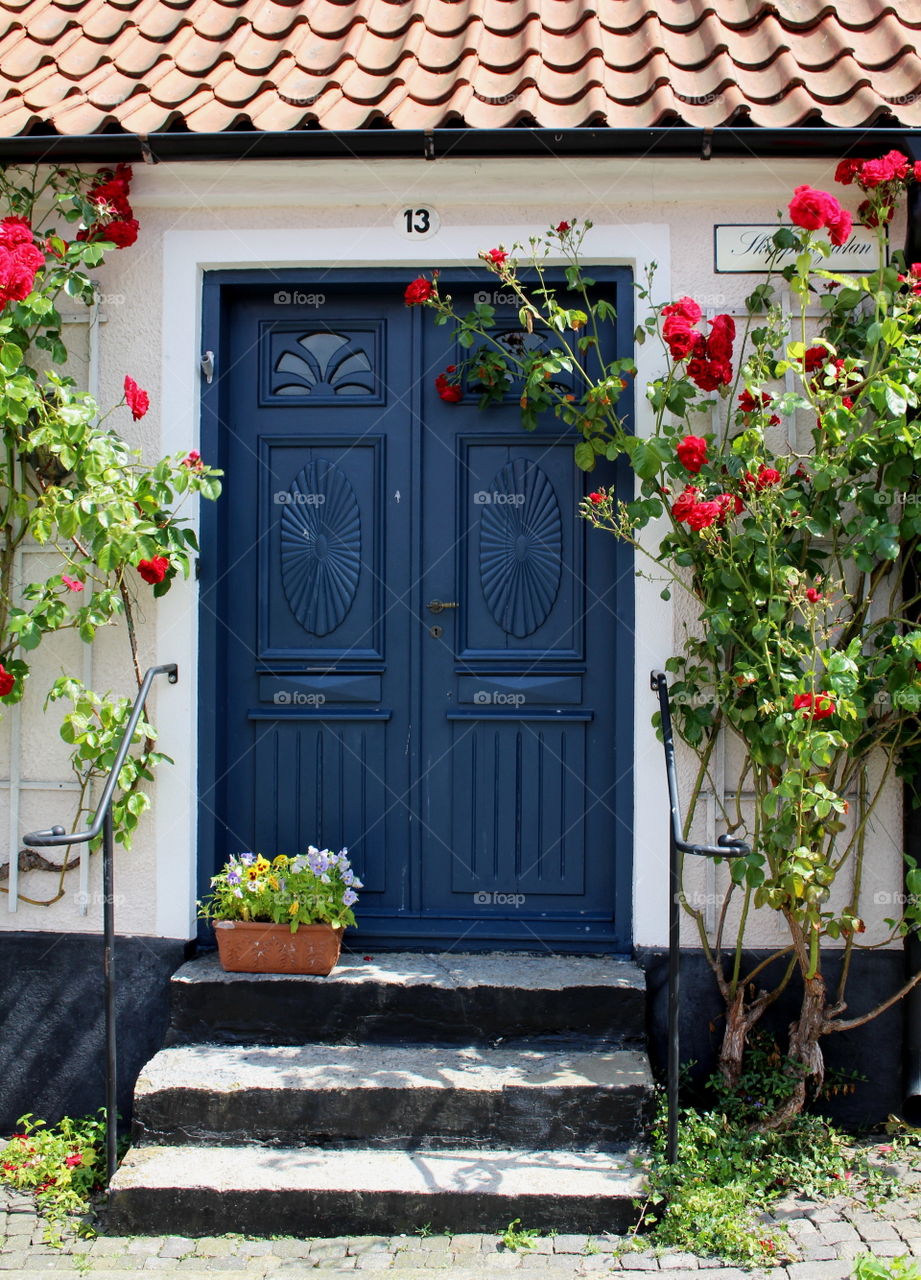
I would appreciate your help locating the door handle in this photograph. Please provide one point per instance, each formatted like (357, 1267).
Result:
(438, 606)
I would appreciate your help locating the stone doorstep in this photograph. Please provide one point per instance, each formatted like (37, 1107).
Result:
(210, 1190)
(374, 1095)
(407, 996)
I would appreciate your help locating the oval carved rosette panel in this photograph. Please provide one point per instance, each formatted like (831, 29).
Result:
(521, 547)
(320, 547)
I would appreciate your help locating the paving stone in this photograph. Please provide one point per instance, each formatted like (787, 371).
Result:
(871, 1229)
(301, 1248)
(570, 1244)
(146, 1244)
(838, 1232)
(256, 1248)
(161, 1264)
(798, 1227)
(12, 1261)
(372, 1244)
(678, 1262)
(819, 1253)
(109, 1244)
(214, 1247)
(908, 1228)
(639, 1262)
(839, 1270)
(470, 1240)
(179, 1246)
(322, 1251)
(322, 1264)
(887, 1248)
(380, 1261)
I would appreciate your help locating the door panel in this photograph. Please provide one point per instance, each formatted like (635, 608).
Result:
(419, 650)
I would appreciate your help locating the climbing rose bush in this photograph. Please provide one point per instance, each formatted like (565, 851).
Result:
(780, 488)
(109, 521)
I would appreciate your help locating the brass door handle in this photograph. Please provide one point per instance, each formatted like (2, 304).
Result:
(438, 606)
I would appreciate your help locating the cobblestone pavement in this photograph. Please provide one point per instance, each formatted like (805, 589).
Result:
(824, 1239)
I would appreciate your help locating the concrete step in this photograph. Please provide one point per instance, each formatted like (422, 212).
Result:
(397, 997)
(382, 1096)
(315, 1192)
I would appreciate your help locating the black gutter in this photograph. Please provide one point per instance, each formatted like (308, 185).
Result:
(386, 143)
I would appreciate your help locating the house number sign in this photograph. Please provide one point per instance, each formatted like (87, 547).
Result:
(417, 222)
(746, 247)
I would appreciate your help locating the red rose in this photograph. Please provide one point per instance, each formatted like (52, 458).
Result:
(871, 217)
(596, 498)
(814, 358)
(729, 505)
(418, 290)
(15, 231)
(847, 402)
(813, 595)
(684, 502)
(810, 208)
(748, 403)
(892, 167)
(692, 453)
(153, 571)
(495, 256)
(686, 307)
(449, 392)
(193, 461)
(122, 232)
(846, 171)
(840, 226)
(138, 399)
(767, 477)
(709, 375)
(703, 514)
(7, 681)
(680, 337)
(722, 336)
(814, 706)
(562, 228)
(18, 266)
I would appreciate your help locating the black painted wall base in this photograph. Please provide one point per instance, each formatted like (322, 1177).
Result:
(52, 1055)
(874, 1050)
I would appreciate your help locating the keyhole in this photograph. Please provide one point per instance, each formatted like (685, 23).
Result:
(436, 632)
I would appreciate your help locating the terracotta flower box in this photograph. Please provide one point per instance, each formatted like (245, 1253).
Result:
(248, 946)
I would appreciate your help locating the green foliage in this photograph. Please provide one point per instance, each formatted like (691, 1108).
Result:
(868, 1267)
(784, 465)
(71, 484)
(62, 1165)
(516, 1237)
(728, 1174)
(316, 887)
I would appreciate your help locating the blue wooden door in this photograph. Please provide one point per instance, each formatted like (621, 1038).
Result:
(414, 646)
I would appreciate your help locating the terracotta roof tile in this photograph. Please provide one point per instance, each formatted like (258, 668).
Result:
(344, 64)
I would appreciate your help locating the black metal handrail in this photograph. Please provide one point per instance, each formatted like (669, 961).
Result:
(102, 821)
(725, 847)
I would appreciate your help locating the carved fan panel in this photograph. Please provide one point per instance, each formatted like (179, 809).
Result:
(320, 547)
(324, 365)
(521, 548)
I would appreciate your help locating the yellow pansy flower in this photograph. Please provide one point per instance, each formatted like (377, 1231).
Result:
(262, 864)
(292, 910)
(280, 861)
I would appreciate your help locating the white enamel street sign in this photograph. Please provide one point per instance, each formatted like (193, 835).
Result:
(745, 248)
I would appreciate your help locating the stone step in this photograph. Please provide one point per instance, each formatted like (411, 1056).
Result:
(315, 1192)
(394, 1096)
(397, 997)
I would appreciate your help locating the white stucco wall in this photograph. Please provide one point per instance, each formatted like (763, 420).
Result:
(265, 214)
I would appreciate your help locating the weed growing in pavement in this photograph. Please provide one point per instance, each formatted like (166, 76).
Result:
(62, 1165)
(729, 1173)
(516, 1237)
